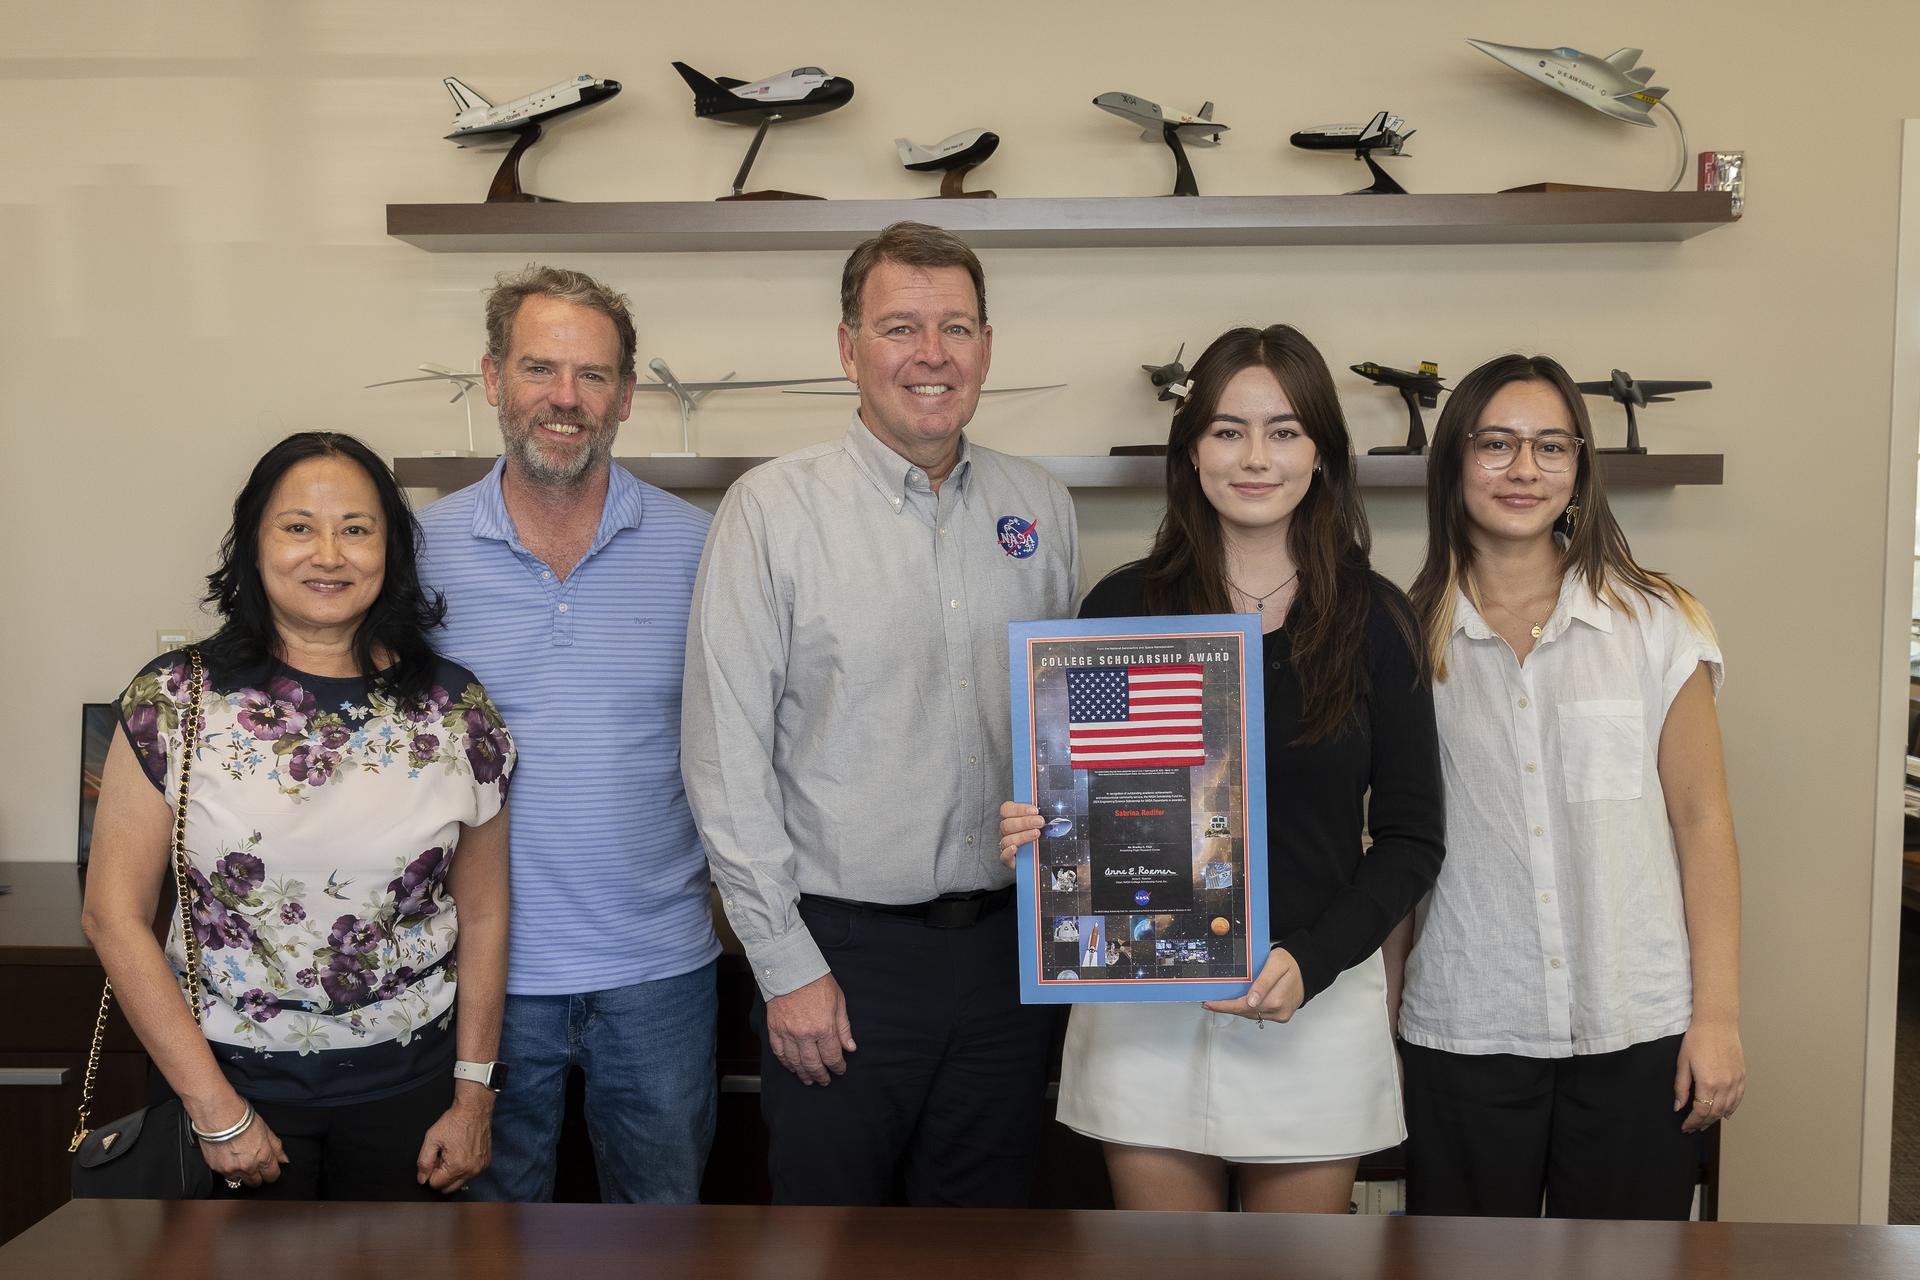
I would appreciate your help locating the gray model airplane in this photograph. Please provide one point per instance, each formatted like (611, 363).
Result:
(953, 156)
(690, 395)
(1613, 85)
(464, 384)
(1169, 379)
(1629, 394)
(1155, 123)
(1384, 133)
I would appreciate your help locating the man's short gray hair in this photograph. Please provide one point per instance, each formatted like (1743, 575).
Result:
(911, 244)
(511, 288)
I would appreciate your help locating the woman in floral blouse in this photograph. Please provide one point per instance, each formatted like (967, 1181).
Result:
(341, 764)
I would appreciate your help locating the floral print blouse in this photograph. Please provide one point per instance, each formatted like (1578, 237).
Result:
(322, 821)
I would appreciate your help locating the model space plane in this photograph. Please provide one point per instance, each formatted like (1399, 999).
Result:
(792, 95)
(1385, 133)
(1169, 128)
(953, 156)
(476, 118)
(1614, 84)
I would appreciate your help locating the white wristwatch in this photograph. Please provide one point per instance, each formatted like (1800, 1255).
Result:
(491, 1074)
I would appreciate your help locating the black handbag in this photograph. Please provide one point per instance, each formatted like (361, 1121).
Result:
(149, 1154)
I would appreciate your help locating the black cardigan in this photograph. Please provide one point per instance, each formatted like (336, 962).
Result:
(1328, 905)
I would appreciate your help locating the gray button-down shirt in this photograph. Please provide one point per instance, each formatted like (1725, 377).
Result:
(845, 729)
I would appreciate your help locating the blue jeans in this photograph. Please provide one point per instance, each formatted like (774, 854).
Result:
(648, 1054)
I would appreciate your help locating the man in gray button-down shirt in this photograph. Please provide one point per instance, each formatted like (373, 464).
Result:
(845, 742)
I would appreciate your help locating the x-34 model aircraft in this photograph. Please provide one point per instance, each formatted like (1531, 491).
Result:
(1155, 123)
(476, 117)
(1614, 84)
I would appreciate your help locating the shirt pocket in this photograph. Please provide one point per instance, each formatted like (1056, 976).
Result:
(1602, 748)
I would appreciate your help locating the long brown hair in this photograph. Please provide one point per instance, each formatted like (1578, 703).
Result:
(1596, 548)
(1185, 572)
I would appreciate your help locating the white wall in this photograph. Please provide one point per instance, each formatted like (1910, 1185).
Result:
(192, 236)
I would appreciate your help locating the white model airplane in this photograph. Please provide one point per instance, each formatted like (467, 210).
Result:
(1614, 85)
(476, 118)
(968, 147)
(691, 394)
(464, 384)
(1154, 122)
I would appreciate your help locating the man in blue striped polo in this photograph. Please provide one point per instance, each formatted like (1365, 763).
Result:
(568, 583)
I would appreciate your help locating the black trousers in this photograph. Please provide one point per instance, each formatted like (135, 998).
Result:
(356, 1151)
(1595, 1135)
(943, 1102)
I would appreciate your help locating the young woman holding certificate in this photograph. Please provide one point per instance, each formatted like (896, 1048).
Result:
(1296, 1080)
(1570, 1021)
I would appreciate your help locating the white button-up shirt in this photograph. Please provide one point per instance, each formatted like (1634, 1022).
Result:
(1556, 926)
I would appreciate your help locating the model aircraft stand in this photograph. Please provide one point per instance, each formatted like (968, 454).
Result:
(506, 187)
(753, 150)
(1383, 185)
(953, 185)
(1416, 426)
(1183, 183)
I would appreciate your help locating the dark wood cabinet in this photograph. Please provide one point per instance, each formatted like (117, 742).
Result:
(50, 992)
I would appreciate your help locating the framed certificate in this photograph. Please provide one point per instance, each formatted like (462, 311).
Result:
(1142, 742)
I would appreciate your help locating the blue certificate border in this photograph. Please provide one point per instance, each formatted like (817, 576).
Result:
(1035, 986)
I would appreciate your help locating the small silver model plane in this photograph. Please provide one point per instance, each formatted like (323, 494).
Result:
(791, 95)
(690, 395)
(1630, 394)
(953, 156)
(1154, 123)
(476, 118)
(1417, 389)
(464, 384)
(1614, 85)
(1384, 133)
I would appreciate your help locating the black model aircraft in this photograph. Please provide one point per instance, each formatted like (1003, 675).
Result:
(1169, 379)
(791, 95)
(1622, 388)
(1384, 133)
(1419, 390)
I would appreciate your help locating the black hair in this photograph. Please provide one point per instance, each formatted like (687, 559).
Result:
(398, 620)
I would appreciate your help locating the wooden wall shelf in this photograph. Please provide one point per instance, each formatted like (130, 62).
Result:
(1643, 471)
(1548, 217)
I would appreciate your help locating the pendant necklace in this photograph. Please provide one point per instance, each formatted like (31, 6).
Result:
(1260, 602)
(1533, 628)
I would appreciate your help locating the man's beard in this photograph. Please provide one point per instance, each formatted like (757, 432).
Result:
(520, 437)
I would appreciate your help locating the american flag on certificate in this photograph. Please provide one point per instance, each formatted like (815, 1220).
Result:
(1135, 717)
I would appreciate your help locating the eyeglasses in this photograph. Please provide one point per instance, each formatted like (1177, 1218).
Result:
(1495, 448)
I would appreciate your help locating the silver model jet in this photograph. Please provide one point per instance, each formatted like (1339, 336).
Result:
(1614, 84)
(1155, 123)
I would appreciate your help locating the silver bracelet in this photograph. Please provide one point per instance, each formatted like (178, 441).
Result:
(225, 1135)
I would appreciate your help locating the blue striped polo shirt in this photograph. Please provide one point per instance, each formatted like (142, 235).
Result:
(609, 876)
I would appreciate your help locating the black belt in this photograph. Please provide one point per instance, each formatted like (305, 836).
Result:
(948, 911)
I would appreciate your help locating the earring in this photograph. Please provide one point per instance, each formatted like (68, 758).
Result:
(1573, 516)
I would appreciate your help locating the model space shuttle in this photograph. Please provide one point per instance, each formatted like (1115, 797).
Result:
(476, 118)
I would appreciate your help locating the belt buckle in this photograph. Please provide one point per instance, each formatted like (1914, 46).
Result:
(953, 913)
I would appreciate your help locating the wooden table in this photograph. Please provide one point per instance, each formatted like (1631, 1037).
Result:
(99, 1239)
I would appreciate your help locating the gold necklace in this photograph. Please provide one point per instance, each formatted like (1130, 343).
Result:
(1533, 628)
(1260, 602)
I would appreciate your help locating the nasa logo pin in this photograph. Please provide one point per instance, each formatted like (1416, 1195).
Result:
(1142, 897)
(1018, 538)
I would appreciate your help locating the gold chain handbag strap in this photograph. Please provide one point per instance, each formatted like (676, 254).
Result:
(189, 740)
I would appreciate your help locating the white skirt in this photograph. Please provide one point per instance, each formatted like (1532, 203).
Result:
(1323, 1086)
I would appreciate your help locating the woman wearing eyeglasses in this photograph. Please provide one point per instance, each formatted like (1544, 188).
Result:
(1570, 1020)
